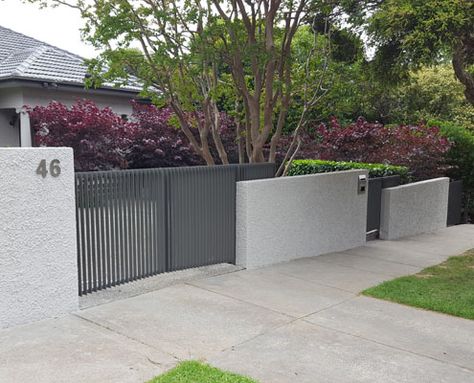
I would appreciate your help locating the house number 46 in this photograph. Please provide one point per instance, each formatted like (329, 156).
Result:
(54, 168)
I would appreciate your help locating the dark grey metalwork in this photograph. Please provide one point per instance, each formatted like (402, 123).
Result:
(136, 223)
(455, 202)
(374, 201)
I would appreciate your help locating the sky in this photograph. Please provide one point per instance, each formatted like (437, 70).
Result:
(56, 26)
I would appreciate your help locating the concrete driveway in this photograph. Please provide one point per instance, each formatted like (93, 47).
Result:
(301, 321)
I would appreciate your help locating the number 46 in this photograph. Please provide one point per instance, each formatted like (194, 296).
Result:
(54, 168)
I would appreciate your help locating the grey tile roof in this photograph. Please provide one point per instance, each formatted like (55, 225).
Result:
(23, 57)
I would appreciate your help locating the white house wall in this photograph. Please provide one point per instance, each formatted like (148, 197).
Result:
(15, 98)
(9, 135)
(120, 104)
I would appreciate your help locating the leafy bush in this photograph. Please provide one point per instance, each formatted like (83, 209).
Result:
(300, 167)
(460, 157)
(154, 141)
(421, 148)
(98, 137)
(102, 140)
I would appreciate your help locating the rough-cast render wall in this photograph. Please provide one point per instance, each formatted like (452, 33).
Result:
(38, 270)
(415, 208)
(287, 218)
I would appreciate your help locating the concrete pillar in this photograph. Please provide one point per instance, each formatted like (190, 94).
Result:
(25, 129)
(38, 254)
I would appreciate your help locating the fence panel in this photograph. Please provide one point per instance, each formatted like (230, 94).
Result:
(202, 216)
(374, 200)
(133, 224)
(455, 200)
(121, 227)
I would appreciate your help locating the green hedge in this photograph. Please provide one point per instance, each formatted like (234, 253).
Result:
(461, 156)
(300, 167)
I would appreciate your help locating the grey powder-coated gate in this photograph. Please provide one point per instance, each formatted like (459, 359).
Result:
(133, 224)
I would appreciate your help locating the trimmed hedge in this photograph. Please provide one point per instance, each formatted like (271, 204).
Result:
(300, 167)
(460, 158)
(461, 155)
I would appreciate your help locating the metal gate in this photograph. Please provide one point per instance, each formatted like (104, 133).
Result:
(133, 224)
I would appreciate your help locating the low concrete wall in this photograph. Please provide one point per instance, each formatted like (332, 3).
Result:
(414, 208)
(38, 264)
(286, 218)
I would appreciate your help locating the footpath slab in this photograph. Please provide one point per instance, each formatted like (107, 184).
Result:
(300, 321)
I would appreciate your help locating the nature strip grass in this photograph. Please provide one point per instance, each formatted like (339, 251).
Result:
(447, 287)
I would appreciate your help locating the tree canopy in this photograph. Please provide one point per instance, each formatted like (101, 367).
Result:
(408, 34)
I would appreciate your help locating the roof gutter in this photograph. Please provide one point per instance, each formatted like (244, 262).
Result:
(104, 89)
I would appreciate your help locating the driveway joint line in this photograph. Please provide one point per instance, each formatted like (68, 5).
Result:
(371, 257)
(116, 332)
(292, 317)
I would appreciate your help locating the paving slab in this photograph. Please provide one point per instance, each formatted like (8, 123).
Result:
(439, 336)
(70, 349)
(364, 263)
(186, 321)
(444, 243)
(387, 251)
(305, 353)
(160, 281)
(275, 291)
(331, 275)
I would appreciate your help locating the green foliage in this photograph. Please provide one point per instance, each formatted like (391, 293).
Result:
(447, 288)
(431, 93)
(418, 32)
(301, 167)
(344, 77)
(196, 372)
(461, 154)
(461, 159)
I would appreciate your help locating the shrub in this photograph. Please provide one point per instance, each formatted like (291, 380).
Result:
(460, 157)
(102, 140)
(98, 136)
(421, 148)
(300, 167)
(154, 141)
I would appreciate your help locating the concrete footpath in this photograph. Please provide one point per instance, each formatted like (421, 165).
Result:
(301, 321)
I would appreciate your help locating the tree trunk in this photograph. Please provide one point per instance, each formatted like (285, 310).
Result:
(215, 126)
(461, 51)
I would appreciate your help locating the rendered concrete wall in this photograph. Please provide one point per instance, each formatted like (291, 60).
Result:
(38, 264)
(414, 208)
(287, 218)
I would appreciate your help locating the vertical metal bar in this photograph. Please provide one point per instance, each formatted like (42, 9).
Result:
(108, 237)
(80, 244)
(148, 207)
(122, 219)
(168, 206)
(133, 216)
(128, 221)
(139, 237)
(154, 232)
(116, 233)
(142, 254)
(94, 234)
(87, 204)
(84, 233)
(103, 238)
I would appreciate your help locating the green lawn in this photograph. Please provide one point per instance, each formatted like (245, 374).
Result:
(447, 287)
(196, 372)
